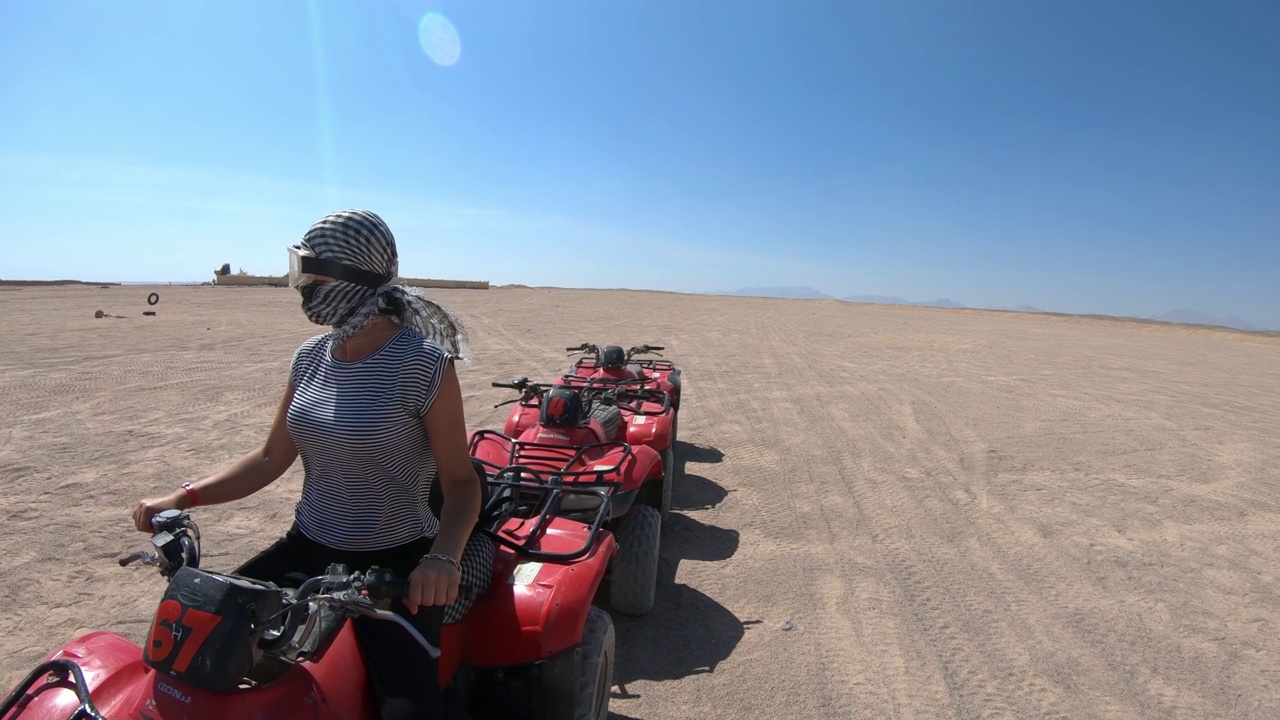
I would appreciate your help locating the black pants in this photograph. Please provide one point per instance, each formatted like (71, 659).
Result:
(404, 676)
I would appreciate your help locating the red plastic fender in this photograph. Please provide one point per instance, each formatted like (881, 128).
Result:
(520, 418)
(651, 430)
(645, 465)
(540, 608)
(124, 688)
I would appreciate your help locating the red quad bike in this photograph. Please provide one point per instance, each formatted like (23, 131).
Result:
(610, 362)
(570, 448)
(225, 646)
(627, 410)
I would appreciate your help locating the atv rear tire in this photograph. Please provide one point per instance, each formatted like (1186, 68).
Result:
(633, 577)
(610, 419)
(595, 667)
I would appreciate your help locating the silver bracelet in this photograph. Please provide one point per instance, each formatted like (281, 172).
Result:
(441, 556)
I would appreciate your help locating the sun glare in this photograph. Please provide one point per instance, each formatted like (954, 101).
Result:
(439, 39)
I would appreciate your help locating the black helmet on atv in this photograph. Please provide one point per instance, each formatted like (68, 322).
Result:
(613, 357)
(562, 407)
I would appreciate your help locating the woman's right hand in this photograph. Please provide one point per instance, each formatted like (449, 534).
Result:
(148, 509)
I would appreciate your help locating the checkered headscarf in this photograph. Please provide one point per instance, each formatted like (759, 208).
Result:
(361, 239)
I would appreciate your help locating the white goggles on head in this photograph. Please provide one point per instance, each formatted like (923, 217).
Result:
(297, 277)
(304, 266)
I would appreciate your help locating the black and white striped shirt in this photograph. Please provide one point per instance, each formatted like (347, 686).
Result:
(367, 460)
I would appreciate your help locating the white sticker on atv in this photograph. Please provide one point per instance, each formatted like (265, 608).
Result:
(637, 420)
(525, 573)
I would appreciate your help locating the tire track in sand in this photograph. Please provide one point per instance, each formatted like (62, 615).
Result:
(976, 580)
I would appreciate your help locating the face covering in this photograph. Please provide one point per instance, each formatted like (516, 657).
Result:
(330, 303)
(357, 247)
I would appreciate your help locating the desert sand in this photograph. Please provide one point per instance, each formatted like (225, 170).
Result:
(957, 514)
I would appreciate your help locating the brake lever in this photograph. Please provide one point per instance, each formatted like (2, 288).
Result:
(141, 556)
(368, 611)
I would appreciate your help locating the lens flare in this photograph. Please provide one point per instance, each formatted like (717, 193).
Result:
(439, 39)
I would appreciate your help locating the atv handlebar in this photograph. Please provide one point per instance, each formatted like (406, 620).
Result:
(176, 540)
(645, 350)
(366, 594)
(528, 390)
(361, 594)
(635, 350)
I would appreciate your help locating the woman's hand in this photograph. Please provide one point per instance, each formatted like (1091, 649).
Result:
(150, 507)
(434, 582)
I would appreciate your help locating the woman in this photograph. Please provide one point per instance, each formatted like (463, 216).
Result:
(375, 410)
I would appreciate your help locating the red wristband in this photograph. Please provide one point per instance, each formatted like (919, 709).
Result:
(192, 499)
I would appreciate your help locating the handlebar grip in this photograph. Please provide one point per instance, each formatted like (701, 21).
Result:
(399, 587)
(382, 584)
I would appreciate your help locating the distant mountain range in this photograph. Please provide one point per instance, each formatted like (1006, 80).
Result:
(798, 293)
(895, 300)
(808, 293)
(1183, 315)
(1180, 315)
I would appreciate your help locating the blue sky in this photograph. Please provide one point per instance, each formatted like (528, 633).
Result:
(1094, 156)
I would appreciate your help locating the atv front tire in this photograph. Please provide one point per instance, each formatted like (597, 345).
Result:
(668, 477)
(633, 579)
(595, 667)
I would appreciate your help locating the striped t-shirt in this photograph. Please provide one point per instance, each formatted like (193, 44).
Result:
(366, 457)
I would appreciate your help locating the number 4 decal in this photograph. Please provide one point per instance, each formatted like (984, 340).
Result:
(555, 406)
(161, 640)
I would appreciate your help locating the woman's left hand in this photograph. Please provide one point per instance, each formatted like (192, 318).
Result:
(433, 582)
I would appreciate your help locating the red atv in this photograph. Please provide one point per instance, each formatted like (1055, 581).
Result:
(610, 362)
(627, 410)
(226, 646)
(558, 441)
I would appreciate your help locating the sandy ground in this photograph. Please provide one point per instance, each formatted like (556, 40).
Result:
(961, 514)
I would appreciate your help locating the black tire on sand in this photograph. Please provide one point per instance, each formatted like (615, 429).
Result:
(595, 667)
(633, 575)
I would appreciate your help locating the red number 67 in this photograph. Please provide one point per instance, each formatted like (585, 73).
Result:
(160, 641)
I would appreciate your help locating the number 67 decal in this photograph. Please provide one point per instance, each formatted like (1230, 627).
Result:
(161, 640)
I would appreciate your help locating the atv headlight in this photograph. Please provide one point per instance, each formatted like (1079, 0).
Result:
(574, 502)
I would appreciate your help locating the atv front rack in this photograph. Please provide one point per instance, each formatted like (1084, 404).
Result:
(523, 494)
(57, 674)
(525, 452)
